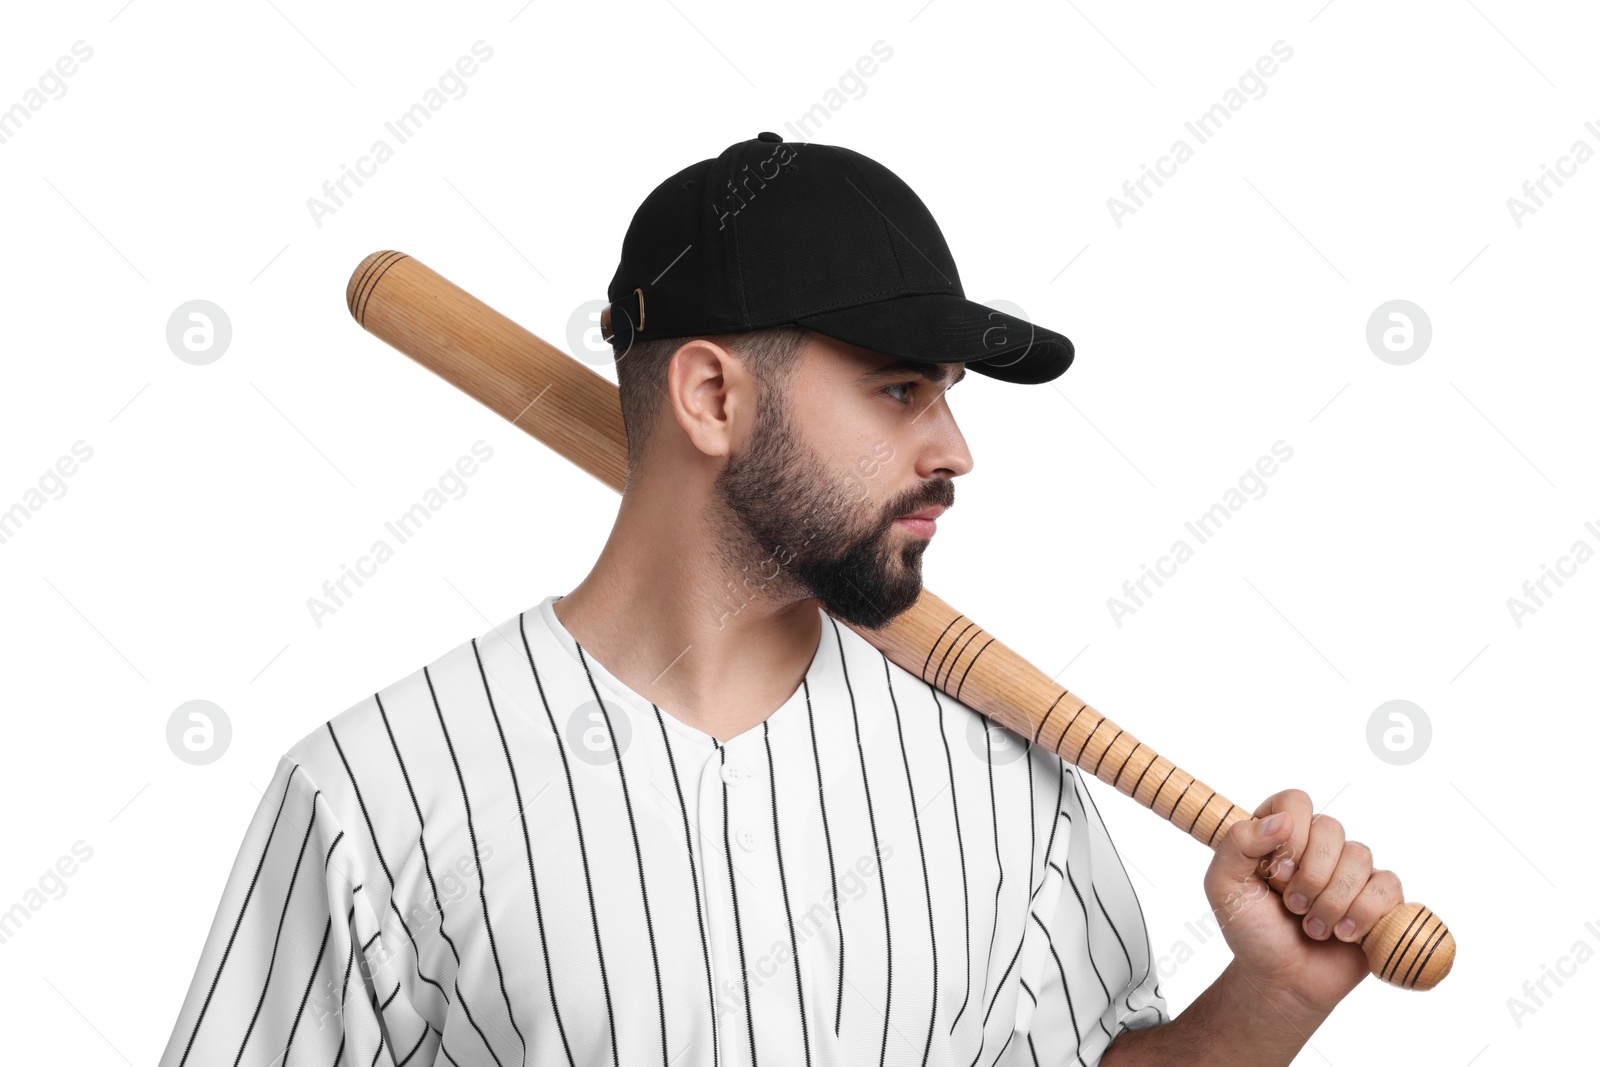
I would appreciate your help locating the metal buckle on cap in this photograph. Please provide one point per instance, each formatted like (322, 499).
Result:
(606, 333)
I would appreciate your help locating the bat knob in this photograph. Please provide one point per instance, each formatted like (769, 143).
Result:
(1410, 947)
(364, 280)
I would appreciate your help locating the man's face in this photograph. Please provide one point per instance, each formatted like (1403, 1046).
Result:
(829, 468)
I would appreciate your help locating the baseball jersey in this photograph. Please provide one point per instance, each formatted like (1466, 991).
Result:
(509, 857)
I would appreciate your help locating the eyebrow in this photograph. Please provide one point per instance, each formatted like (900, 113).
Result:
(931, 371)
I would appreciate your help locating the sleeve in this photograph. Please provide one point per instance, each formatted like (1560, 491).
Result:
(279, 980)
(1092, 973)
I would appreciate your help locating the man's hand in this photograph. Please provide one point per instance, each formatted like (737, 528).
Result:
(1303, 945)
(1294, 957)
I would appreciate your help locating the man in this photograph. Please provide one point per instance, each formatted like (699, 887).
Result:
(685, 813)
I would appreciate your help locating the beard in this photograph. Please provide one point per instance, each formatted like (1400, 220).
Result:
(819, 529)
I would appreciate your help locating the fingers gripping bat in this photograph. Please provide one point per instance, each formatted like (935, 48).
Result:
(546, 393)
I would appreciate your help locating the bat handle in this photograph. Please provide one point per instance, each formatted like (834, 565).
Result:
(1409, 947)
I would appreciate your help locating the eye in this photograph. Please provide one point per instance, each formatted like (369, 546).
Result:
(908, 386)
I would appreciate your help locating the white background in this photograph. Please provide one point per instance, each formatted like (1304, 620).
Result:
(1225, 314)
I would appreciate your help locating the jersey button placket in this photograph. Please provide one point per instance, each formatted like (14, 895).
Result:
(747, 839)
(735, 774)
(741, 801)
(714, 877)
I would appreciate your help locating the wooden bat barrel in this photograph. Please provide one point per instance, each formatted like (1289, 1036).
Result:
(575, 411)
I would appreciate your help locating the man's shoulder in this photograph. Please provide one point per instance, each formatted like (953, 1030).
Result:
(379, 727)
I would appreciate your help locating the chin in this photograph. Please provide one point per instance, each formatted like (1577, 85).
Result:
(874, 619)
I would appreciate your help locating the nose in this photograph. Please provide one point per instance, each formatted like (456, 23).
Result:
(944, 449)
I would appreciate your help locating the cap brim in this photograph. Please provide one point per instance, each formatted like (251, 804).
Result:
(941, 328)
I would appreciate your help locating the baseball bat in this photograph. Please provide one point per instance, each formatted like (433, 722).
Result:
(545, 392)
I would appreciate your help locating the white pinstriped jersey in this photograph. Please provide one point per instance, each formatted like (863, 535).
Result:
(508, 857)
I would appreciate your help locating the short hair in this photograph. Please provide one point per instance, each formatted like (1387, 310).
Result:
(770, 355)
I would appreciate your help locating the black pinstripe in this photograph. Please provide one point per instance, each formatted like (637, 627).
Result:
(427, 867)
(533, 876)
(922, 857)
(377, 849)
(633, 830)
(827, 836)
(472, 833)
(238, 921)
(277, 937)
(872, 821)
(961, 851)
(583, 852)
(783, 881)
(694, 879)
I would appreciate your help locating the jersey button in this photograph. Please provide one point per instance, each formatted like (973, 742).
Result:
(734, 773)
(747, 839)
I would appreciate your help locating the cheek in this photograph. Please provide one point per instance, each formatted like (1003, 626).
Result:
(856, 436)
(869, 468)
(879, 462)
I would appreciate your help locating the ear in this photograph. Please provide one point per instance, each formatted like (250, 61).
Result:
(711, 396)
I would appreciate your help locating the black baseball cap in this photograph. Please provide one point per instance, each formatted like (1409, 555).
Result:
(774, 233)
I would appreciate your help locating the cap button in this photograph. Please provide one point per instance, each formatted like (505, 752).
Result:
(769, 137)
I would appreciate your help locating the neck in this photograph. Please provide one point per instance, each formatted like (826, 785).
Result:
(679, 621)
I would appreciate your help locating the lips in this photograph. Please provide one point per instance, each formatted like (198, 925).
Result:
(923, 528)
(921, 523)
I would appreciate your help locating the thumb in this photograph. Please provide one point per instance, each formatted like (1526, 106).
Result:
(1246, 851)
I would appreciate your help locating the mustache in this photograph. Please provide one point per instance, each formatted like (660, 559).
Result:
(941, 492)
